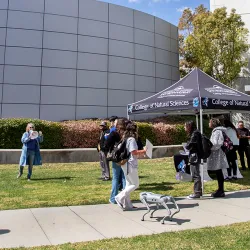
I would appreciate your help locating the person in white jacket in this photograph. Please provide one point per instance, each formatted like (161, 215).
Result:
(232, 155)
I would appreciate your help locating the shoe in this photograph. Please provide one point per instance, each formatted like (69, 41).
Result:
(235, 178)
(28, 179)
(193, 196)
(18, 176)
(106, 179)
(100, 178)
(119, 203)
(228, 179)
(218, 194)
(111, 202)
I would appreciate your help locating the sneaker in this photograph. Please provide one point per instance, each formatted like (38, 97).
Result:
(193, 196)
(28, 179)
(218, 194)
(119, 203)
(228, 179)
(18, 176)
(235, 178)
(111, 202)
(106, 179)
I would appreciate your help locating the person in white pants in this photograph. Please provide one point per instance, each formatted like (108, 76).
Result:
(130, 169)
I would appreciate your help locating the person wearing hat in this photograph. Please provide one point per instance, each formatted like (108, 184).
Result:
(104, 164)
(30, 151)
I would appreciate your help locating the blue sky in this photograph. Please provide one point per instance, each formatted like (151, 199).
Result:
(169, 10)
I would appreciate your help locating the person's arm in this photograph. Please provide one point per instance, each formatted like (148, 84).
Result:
(40, 137)
(193, 141)
(139, 152)
(25, 137)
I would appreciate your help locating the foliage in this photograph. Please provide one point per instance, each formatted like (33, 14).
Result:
(80, 134)
(213, 42)
(11, 131)
(145, 131)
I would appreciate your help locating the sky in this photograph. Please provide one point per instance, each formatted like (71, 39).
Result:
(169, 10)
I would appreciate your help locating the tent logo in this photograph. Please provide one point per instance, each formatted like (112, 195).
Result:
(205, 102)
(130, 108)
(196, 102)
(178, 91)
(219, 90)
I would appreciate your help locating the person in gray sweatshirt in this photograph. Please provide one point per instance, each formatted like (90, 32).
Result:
(217, 160)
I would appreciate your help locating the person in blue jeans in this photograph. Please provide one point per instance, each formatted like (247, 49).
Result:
(113, 138)
(30, 151)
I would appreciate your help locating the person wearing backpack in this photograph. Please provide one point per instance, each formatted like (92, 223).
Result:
(130, 168)
(194, 146)
(232, 133)
(217, 160)
(113, 138)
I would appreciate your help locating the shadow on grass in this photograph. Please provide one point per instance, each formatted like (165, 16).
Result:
(54, 178)
(157, 186)
(4, 231)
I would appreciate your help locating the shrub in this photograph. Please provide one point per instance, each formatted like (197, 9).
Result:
(80, 134)
(145, 131)
(11, 131)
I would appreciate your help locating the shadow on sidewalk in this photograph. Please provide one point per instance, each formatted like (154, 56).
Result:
(236, 195)
(176, 220)
(4, 231)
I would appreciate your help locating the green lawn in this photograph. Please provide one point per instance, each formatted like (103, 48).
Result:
(233, 237)
(78, 184)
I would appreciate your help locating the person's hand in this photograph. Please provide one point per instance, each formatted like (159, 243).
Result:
(145, 149)
(40, 133)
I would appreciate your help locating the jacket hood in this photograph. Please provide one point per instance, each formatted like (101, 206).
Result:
(223, 129)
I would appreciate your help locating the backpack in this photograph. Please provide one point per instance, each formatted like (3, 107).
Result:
(206, 147)
(119, 154)
(227, 143)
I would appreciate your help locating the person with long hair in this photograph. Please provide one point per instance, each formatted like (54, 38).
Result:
(30, 151)
(233, 135)
(130, 168)
(217, 160)
(114, 137)
(194, 146)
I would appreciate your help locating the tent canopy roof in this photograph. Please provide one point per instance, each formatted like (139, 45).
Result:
(192, 93)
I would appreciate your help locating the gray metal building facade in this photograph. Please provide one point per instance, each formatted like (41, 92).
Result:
(73, 59)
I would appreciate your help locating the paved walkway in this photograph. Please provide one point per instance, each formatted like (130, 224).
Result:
(52, 226)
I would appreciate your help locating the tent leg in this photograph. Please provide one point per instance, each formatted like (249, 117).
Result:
(197, 121)
(201, 165)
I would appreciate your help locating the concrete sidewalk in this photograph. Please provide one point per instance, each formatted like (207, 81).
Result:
(52, 226)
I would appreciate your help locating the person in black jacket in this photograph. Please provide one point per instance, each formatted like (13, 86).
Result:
(104, 164)
(113, 138)
(194, 146)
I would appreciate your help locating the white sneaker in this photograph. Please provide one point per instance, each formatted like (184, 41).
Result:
(119, 203)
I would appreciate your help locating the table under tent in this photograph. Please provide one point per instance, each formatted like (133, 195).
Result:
(196, 94)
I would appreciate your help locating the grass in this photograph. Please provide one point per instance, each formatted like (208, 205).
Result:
(78, 184)
(232, 237)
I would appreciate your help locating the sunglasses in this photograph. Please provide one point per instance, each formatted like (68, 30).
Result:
(31, 127)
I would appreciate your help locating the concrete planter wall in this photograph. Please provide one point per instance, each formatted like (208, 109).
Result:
(11, 156)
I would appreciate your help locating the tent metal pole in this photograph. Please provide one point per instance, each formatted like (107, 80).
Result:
(197, 121)
(202, 163)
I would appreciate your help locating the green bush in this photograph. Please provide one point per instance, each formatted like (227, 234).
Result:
(11, 131)
(145, 131)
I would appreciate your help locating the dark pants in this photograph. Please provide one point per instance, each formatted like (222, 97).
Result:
(241, 151)
(220, 179)
(104, 164)
(231, 159)
(195, 169)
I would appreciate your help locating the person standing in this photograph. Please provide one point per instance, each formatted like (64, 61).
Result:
(113, 138)
(194, 146)
(232, 133)
(30, 151)
(130, 168)
(217, 160)
(104, 164)
(244, 136)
